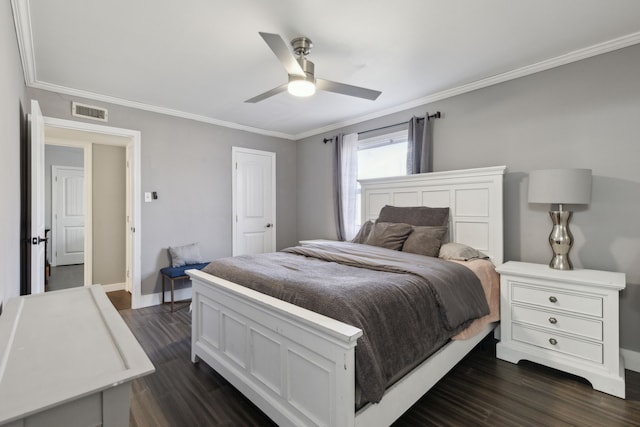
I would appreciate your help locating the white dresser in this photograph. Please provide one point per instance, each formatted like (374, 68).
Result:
(567, 320)
(67, 359)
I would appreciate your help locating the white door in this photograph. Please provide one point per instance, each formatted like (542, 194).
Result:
(68, 215)
(36, 134)
(254, 201)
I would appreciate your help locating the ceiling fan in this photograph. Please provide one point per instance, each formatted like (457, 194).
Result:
(302, 81)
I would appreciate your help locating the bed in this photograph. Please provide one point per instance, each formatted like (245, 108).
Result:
(298, 366)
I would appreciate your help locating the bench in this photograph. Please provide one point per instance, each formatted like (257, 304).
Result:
(173, 274)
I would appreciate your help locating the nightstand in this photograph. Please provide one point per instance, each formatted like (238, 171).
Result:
(567, 320)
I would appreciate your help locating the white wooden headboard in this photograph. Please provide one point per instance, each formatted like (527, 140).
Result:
(474, 197)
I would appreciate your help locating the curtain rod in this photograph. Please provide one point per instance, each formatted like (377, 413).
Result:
(437, 115)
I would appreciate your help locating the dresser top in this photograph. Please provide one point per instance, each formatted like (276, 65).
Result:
(606, 279)
(58, 346)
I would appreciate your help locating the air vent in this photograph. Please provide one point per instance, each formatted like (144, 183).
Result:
(89, 112)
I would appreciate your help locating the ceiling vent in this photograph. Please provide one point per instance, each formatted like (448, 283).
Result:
(89, 112)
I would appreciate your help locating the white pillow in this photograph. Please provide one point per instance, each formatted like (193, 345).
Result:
(187, 254)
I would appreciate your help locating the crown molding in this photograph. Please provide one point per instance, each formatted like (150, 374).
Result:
(22, 20)
(162, 110)
(574, 56)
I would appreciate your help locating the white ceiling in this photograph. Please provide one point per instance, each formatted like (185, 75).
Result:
(202, 58)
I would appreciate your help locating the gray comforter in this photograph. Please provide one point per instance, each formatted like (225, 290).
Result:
(407, 305)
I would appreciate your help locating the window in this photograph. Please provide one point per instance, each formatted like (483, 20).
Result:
(381, 156)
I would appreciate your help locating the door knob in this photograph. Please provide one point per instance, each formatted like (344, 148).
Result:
(38, 240)
(269, 225)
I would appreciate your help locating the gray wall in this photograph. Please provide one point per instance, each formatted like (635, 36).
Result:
(55, 155)
(188, 164)
(109, 214)
(585, 114)
(13, 107)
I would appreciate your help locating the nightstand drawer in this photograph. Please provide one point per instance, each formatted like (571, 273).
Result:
(551, 298)
(560, 343)
(588, 328)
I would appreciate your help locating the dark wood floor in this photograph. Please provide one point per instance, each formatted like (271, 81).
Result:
(479, 391)
(121, 300)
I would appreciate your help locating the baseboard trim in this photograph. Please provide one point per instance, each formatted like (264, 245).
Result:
(156, 299)
(114, 287)
(631, 359)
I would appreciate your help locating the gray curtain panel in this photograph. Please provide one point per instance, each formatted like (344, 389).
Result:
(420, 146)
(337, 179)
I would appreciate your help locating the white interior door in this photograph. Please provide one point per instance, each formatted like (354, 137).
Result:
(68, 215)
(254, 201)
(36, 134)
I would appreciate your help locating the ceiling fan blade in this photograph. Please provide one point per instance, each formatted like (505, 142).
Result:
(282, 52)
(346, 89)
(267, 94)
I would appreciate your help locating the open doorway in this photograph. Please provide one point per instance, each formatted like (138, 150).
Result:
(110, 146)
(64, 216)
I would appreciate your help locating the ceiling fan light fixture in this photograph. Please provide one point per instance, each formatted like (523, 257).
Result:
(301, 72)
(301, 87)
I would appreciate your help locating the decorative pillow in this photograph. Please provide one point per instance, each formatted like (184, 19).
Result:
(415, 215)
(460, 252)
(363, 233)
(187, 254)
(388, 235)
(425, 240)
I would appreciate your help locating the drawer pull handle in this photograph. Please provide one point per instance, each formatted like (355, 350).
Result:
(553, 299)
(553, 341)
(553, 320)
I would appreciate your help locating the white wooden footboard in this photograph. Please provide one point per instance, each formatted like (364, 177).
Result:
(296, 365)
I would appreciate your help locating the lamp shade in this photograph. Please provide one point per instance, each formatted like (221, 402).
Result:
(570, 186)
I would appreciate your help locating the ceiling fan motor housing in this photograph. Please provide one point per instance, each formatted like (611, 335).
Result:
(301, 46)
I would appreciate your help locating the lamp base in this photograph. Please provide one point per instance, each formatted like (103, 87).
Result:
(560, 240)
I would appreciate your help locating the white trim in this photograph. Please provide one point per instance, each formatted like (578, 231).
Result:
(133, 149)
(114, 287)
(155, 109)
(576, 55)
(149, 300)
(631, 359)
(22, 20)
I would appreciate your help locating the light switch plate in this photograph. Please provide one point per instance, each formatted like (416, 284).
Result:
(147, 197)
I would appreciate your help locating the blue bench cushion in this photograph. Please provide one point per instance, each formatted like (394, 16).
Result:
(174, 272)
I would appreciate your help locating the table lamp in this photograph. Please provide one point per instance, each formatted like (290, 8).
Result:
(560, 186)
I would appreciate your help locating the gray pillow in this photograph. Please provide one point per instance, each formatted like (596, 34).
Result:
(425, 240)
(363, 233)
(388, 235)
(187, 254)
(460, 252)
(415, 215)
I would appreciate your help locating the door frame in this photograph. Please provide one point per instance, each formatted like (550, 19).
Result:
(35, 187)
(53, 243)
(133, 205)
(234, 192)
